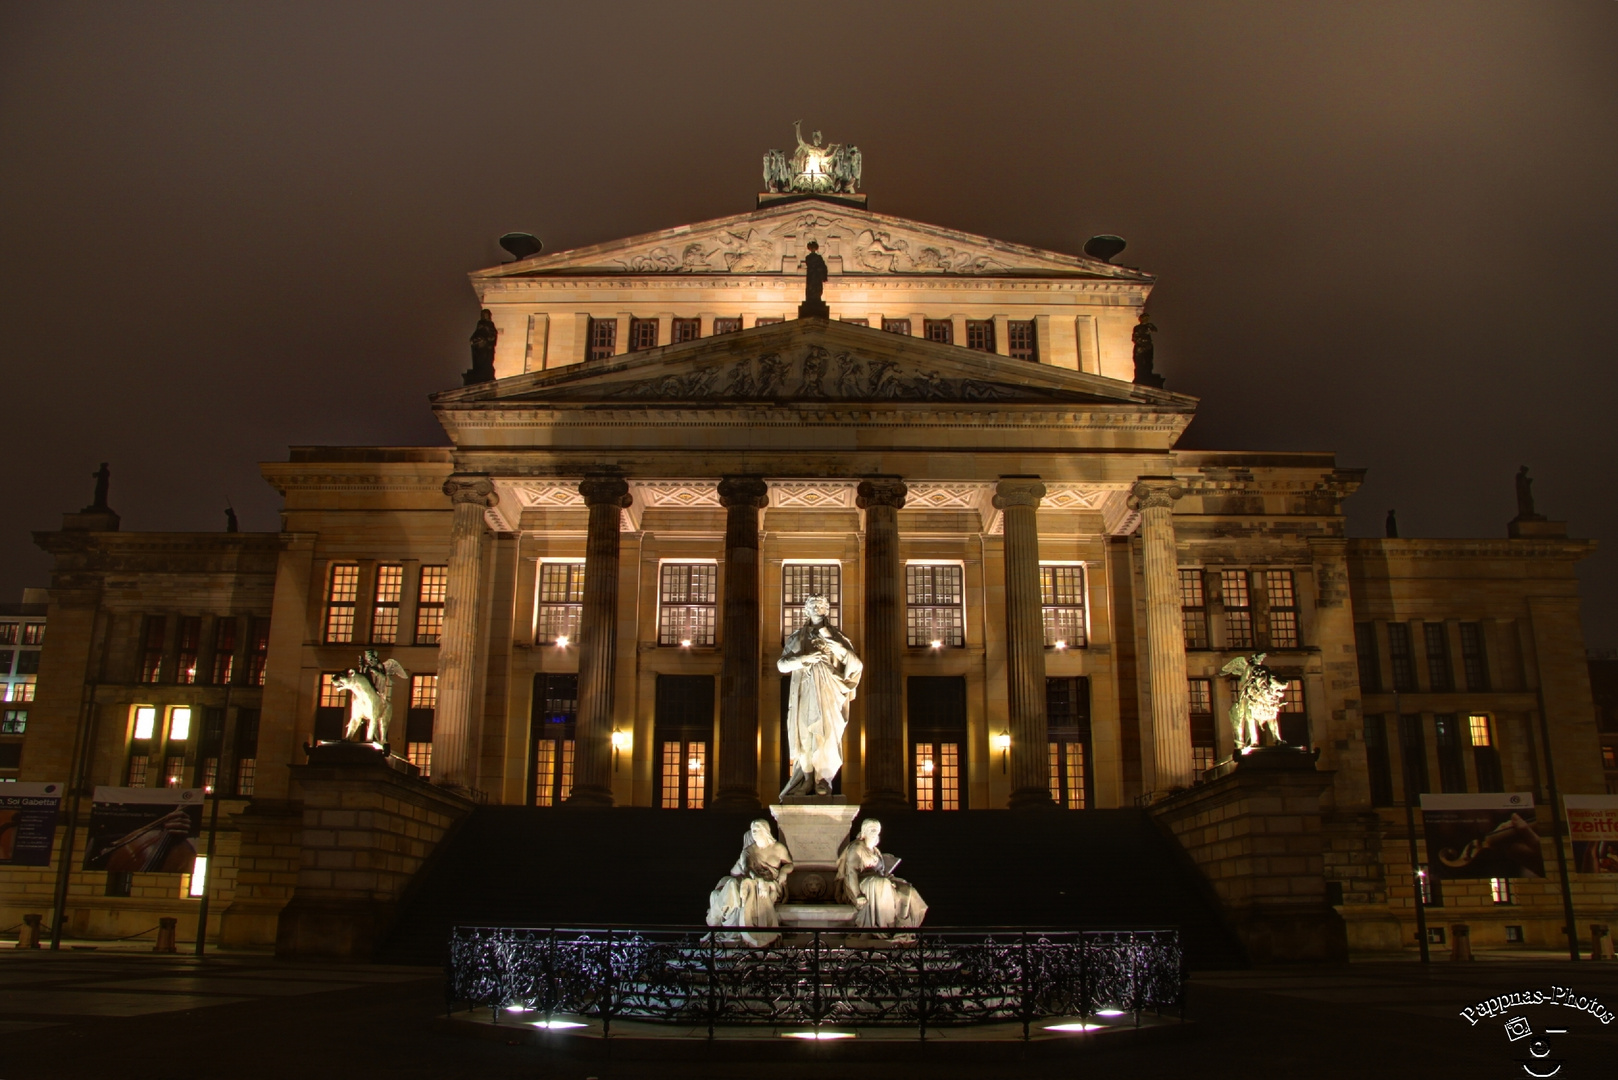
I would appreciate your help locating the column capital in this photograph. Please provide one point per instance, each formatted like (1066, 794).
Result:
(471, 488)
(605, 491)
(882, 491)
(1153, 492)
(1018, 491)
(743, 491)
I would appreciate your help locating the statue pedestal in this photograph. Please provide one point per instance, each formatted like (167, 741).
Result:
(813, 827)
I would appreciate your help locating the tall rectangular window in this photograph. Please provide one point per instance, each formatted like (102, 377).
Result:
(1436, 637)
(934, 597)
(1061, 597)
(800, 581)
(224, 650)
(603, 338)
(1474, 661)
(1486, 756)
(419, 722)
(897, 326)
(687, 597)
(1413, 749)
(1193, 609)
(1401, 658)
(342, 597)
(1370, 660)
(33, 634)
(684, 775)
(552, 726)
(258, 649)
(209, 745)
(642, 334)
(246, 750)
(1451, 754)
(1282, 595)
(14, 722)
(1204, 744)
(561, 602)
(727, 326)
(686, 330)
(938, 775)
(151, 661)
(1293, 719)
(1378, 760)
(331, 709)
(8, 633)
(1238, 609)
(1020, 339)
(385, 611)
(939, 330)
(430, 598)
(185, 671)
(1067, 709)
(980, 335)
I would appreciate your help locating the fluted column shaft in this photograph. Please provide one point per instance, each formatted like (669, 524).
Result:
(1018, 499)
(453, 724)
(882, 685)
(742, 497)
(606, 498)
(1154, 498)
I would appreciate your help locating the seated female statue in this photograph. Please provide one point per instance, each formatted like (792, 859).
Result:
(748, 894)
(865, 879)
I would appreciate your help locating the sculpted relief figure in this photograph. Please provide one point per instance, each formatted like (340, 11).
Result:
(865, 879)
(748, 894)
(825, 674)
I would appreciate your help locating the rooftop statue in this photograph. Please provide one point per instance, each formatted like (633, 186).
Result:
(483, 341)
(1145, 352)
(815, 273)
(1525, 497)
(825, 674)
(812, 168)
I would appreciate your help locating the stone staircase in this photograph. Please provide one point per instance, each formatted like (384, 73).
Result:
(522, 866)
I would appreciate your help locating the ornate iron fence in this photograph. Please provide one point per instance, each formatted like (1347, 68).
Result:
(924, 978)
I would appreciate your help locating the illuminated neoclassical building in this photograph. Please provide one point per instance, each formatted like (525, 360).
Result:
(590, 583)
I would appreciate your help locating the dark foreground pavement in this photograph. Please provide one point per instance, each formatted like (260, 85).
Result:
(101, 1014)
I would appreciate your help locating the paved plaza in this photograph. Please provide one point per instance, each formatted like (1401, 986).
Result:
(102, 1013)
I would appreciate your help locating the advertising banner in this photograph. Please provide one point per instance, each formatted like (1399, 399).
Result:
(1482, 836)
(28, 823)
(1592, 822)
(144, 829)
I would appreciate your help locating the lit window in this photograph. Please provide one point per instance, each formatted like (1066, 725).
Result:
(799, 581)
(198, 885)
(430, 604)
(727, 326)
(688, 593)
(1478, 728)
(224, 651)
(342, 591)
(642, 334)
(938, 776)
(1020, 339)
(14, 722)
(179, 724)
(768, 320)
(258, 644)
(420, 754)
(330, 696)
(1238, 609)
(1609, 757)
(687, 330)
(897, 326)
(1500, 890)
(934, 595)
(385, 612)
(174, 774)
(1061, 595)
(856, 322)
(561, 601)
(145, 721)
(939, 330)
(1193, 609)
(1283, 599)
(603, 338)
(1204, 746)
(8, 633)
(33, 634)
(190, 641)
(22, 690)
(980, 335)
(424, 691)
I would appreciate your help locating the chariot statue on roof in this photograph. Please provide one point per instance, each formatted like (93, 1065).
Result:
(813, 168)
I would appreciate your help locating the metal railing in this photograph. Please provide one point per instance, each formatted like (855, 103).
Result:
(920, 978)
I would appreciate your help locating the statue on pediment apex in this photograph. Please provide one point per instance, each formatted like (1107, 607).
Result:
(813, 168)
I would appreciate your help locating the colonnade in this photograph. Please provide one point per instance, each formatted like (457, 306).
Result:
(1016, 497)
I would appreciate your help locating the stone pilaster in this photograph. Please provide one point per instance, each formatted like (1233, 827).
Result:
(882, 685)
(453, 737)
(742, 497)
(606, 497)
(1154, 497)
(1018, 498)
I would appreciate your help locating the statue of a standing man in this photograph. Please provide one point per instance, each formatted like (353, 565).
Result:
(484, 339)
(1525, 496)
(1145, 352)
(825, 674)
(816, 273)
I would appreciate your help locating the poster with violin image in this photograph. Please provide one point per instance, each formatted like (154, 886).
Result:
(28, 823)
(1592, 822)
(144, 830)
(1482, 836)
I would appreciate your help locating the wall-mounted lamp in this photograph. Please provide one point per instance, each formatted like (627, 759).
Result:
(1002, 743)
(685, 643)
(1059, 646)
(561, 641)
(622, 742)
(936, 644)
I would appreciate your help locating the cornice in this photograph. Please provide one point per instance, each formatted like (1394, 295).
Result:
(793, 283)
(1462, 548)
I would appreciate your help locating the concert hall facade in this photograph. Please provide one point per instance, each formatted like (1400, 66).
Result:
(590, 583)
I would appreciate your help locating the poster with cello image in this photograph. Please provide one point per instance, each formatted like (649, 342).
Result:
(151, 830)
(1482, 836)
(28, 823)
(1592, 822)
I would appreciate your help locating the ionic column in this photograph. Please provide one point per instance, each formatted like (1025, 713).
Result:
(470, 495)
(742, 497)
(1018, 499)
(606, 497)
(882, 685)
(1154, 497)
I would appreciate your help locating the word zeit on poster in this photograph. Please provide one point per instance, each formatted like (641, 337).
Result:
(1592, 822)
(144, 830)
(28, 823)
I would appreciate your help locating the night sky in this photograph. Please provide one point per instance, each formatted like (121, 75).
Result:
(1386, 230)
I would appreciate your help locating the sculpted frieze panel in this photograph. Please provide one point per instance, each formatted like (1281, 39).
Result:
(558, 493)
(813, 494)
(677, 493)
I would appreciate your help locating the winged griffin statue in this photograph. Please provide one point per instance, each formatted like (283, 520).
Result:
(1259, 694)
(813, 168)
(370, 697)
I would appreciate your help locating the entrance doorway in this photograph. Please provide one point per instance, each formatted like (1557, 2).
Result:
(936, 711)
(683, 732)
(552, 718)
(1067, 713)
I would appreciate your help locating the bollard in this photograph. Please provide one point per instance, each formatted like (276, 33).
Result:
(1460, 941)
(28, 937)
(1600, 942)
(165, 936)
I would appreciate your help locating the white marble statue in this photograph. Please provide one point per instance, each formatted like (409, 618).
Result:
(865, 879)
(825, 674)
(748, 894)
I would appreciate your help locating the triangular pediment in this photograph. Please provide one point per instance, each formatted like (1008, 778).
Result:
(772, 240)
(809, 361)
